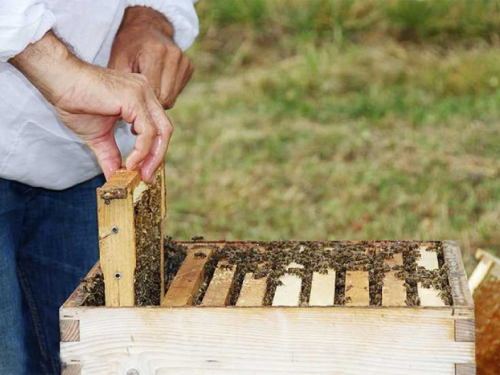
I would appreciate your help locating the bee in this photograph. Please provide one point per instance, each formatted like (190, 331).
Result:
(197, 238)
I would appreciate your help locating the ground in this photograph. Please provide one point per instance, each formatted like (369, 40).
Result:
(339, 119)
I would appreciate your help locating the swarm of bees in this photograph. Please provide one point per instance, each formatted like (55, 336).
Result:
(271, 260)
(148, 247)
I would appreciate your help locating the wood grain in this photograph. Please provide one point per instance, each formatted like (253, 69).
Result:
(357, 289)
(69, 330)
(465, 330)
(465, 369)
(117, 238)
(394, 289)
(288, 293)
(187, 282)
(71, 369)
(220, 286)
(456, 273)
(252, 291)
(289, 340)
(323, 289)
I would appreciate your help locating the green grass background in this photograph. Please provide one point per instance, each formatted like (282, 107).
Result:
(322, 119)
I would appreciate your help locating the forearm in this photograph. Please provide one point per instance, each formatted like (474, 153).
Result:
(48, 65)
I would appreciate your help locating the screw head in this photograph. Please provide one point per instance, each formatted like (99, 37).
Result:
(107, 201)
(118, 275)
(114, 229)
(132, 371)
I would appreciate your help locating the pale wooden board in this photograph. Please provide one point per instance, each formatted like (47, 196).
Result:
(220, 286)
(187, 282)
(357, 292)
(394, 289)
(252, 291)
(428, 259)
(428, 296)
(117, 250)
(312, 340)
(323, 289)
(288, 294)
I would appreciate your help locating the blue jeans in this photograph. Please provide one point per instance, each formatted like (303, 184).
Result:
(48, 242)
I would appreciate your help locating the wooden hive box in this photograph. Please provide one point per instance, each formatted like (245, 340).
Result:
(223, 334)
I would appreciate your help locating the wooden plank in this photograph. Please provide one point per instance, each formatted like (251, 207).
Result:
(187, 282)
(456, 274)
(465, 330)
(357, 289)
(323, 289)
(71, 369)
(288, 294)
(252, 291)
(117, 237)
(465, 369)
(428, 296)
(314, 340)
(482, 269)
(220, 287)
(69, 330)
(394, 289)
(163, 181)
(428, 259)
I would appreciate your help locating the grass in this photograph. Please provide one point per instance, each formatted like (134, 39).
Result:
(340, 120)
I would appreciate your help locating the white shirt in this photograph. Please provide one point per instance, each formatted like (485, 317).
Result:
(35, 147)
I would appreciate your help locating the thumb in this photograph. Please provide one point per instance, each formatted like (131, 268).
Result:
(107, 153)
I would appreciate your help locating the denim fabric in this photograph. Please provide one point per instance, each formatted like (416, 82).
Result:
(48, 242)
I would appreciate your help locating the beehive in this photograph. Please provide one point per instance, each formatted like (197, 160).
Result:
(239, 335)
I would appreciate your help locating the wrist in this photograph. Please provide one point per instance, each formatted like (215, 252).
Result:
(49, 66)
(139, 17)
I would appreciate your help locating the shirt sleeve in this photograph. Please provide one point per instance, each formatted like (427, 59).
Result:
(22, 22)
(180, 13)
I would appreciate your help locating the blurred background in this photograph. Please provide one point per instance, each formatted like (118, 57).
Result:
(323, 119)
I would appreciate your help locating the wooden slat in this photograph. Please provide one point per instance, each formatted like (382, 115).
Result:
(288, 294)
(187, 282)
(117, 237)
(456, 274)
(252, 291)
(357, 289)
(394, 289)
(323, 289)
(428, 259)
(428, 296)
(220, 287)
(163, 181)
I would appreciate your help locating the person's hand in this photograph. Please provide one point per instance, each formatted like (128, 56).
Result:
(89, 100)
(144, 45)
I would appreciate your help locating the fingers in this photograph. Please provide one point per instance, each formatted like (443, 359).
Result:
(160, 144)
(153, 129)
(169, 77)
(107, 153)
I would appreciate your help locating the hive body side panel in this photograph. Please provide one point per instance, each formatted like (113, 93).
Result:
(266, 340)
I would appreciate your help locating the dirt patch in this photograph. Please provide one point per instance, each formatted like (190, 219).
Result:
(487, 300)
